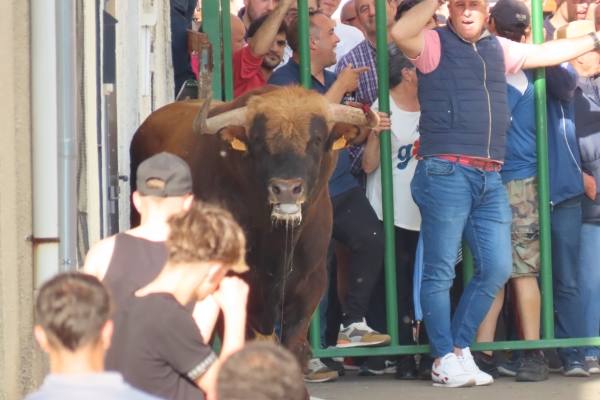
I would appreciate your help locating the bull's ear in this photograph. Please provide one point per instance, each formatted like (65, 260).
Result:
(342, 134)
(235, 136)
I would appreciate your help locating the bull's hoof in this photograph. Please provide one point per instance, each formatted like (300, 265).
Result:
(265, 338)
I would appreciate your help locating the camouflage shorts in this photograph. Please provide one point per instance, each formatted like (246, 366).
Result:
(525, 230)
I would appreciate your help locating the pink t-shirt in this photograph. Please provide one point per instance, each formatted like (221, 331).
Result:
(429, 59)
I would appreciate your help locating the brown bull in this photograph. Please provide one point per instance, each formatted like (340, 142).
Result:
(267, 158)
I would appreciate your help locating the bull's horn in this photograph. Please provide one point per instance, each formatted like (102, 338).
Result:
(233, 117)
(354, 115)
(199, 124)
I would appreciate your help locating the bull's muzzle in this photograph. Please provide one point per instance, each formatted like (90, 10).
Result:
(286, 196)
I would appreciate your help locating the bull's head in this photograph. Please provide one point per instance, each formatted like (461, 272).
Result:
(288, 132)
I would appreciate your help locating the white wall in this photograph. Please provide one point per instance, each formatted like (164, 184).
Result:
(144, 75)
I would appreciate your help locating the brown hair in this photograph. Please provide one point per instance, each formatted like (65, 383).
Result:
(72, 308)
(269, 372)
(292, 31)
(205, 233)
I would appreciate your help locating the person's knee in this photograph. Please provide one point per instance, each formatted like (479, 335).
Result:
(435, 284)
(496, 275)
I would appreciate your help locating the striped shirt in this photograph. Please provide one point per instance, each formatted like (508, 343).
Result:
(363, 55)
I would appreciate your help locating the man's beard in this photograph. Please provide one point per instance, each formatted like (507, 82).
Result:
(270, 63)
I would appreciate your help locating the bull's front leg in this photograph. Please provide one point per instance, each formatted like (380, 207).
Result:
(262, 308)
(304, 294)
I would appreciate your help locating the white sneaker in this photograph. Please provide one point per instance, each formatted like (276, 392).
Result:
(450, 373)
(318, 372)
(360, 334)
(468, 364)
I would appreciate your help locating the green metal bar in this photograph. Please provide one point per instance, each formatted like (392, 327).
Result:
(504, 345)
(304, 49)
(467, 265)
(227, 53)
(391, 297)
(306, 81)
(211, 26)
(543, 180)
(315, 331)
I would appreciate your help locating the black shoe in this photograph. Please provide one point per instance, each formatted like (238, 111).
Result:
(334, 365)
(554, 362)
(424, 370)
(406, 368)
(377, 365)
(533, 367)
(486, 364)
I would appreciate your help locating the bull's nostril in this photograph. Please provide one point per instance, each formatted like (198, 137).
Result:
(276, 190)
(297, 189)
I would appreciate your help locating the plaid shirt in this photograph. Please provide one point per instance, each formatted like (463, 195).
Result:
(363, 55)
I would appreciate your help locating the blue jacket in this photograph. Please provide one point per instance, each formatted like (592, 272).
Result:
(566, 181)
(463, 101)
(587, 120)
(521, 153)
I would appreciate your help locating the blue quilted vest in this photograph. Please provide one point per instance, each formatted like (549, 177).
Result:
(463, 101)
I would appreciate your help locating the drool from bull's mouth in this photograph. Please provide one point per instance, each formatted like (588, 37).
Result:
(287, 213)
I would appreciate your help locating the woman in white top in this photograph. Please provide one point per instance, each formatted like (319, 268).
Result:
(404, 116)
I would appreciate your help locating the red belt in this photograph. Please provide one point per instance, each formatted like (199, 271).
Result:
(485, 165)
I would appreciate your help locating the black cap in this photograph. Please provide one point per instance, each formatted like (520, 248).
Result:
(511, 17)
(164, 175)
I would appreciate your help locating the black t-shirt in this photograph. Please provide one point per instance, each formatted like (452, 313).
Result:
(135, 262)
(158, 347)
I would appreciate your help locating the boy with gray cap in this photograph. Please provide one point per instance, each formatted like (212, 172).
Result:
(128, 261)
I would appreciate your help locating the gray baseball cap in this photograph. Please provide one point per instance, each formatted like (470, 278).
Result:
(164, 175)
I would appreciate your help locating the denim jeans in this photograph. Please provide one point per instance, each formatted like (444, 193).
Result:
(589, 282)
(459, 202)
(568, 306)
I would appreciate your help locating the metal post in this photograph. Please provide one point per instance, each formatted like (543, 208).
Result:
(537, 23)
(66, 79)
(306, 81)
(391, 297)
(304, 43)
(227, 53)
(211, 26)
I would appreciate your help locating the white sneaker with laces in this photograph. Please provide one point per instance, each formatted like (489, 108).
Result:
(450, 373)
(468, 364)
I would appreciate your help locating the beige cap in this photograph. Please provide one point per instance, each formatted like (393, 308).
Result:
(575, 29)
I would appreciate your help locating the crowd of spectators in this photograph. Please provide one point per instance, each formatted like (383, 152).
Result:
(464, 160)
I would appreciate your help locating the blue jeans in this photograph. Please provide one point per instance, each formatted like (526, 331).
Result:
(456, 203)
(589, 282)
(568, 307)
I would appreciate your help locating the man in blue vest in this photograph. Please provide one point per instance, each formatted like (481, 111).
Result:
(457, 185)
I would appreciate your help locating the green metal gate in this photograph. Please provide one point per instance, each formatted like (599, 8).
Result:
(217, 25)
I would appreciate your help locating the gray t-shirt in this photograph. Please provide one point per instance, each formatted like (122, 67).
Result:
(101, 386)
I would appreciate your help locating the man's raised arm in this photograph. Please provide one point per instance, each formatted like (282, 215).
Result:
(408, 31)
(561, 50)
(262, 40)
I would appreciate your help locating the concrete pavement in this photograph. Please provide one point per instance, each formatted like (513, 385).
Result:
(386, 387)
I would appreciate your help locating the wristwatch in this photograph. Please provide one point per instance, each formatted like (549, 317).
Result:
(594, 36)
